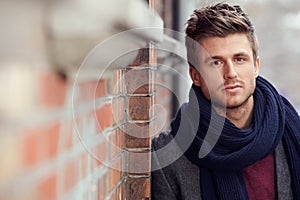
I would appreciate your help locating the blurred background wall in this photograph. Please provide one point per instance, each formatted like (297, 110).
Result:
(71, 128)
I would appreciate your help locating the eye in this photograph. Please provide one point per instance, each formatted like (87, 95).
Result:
(216, 63)
(240, 59)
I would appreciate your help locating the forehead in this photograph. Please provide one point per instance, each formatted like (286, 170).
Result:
(225, 46)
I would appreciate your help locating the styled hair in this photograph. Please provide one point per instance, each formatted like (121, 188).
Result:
(217, 20)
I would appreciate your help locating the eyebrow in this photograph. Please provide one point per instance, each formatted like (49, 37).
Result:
(207, 59)
(241, 54)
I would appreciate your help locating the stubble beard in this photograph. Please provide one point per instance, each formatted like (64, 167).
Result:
(222, 106)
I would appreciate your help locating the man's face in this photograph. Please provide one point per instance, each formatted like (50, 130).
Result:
(227, 70)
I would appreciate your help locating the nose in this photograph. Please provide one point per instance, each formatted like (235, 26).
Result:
(230, 71)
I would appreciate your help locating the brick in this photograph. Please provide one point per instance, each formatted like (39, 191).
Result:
(142, 58)
(91, 90)
(116, 167)
(116, 84)
(123, 164)
(85, 90)
(139, 108)
(100, 152)
(104, 117)
(100, 190)
(100, 88)
(114, 195)
(77, 126)
(46, 190)
(137, 188)
(154, 80)
(114, 178)
(121, 191)
(67, 130)
(139, 162)
(118, 194)
(116, 171)
(51, 137)
(114, 146)
(139, 81)
(52, 89)
(40, 143)
(153, 53)
(70, 175)
(85, 125)
(118, 110)
(103, 184)
(30, 148)
(122, 137)
(134, 142)
(83, 164)
(115, 143)
(138, 130)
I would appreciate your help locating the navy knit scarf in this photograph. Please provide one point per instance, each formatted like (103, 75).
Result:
(274, 119)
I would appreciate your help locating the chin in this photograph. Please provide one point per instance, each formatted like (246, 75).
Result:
(238, 103)
(233, 106)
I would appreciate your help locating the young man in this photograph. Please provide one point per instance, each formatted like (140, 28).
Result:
(236, 138)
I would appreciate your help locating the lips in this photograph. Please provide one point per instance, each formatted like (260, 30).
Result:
(232, 88)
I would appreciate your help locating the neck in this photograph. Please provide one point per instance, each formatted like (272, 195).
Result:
(240, 116)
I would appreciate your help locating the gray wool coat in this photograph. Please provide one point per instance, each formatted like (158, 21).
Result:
(181, 179)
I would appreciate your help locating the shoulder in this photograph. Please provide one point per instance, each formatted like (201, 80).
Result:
(161, 140)
(167, 153)
(173, 175)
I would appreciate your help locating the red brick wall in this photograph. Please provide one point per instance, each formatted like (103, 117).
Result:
(70, 145)
(83, 139)
(140, 90)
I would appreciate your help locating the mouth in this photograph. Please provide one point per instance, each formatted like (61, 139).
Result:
(232, 88)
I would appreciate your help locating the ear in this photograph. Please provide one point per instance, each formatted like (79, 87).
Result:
(257, 66)
(195, 76)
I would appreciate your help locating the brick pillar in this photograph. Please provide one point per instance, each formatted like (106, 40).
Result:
(139, 79)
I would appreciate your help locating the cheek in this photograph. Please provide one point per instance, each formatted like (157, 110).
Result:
(250, 82)
(253, 83)
(210, 84)
(212, 79)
